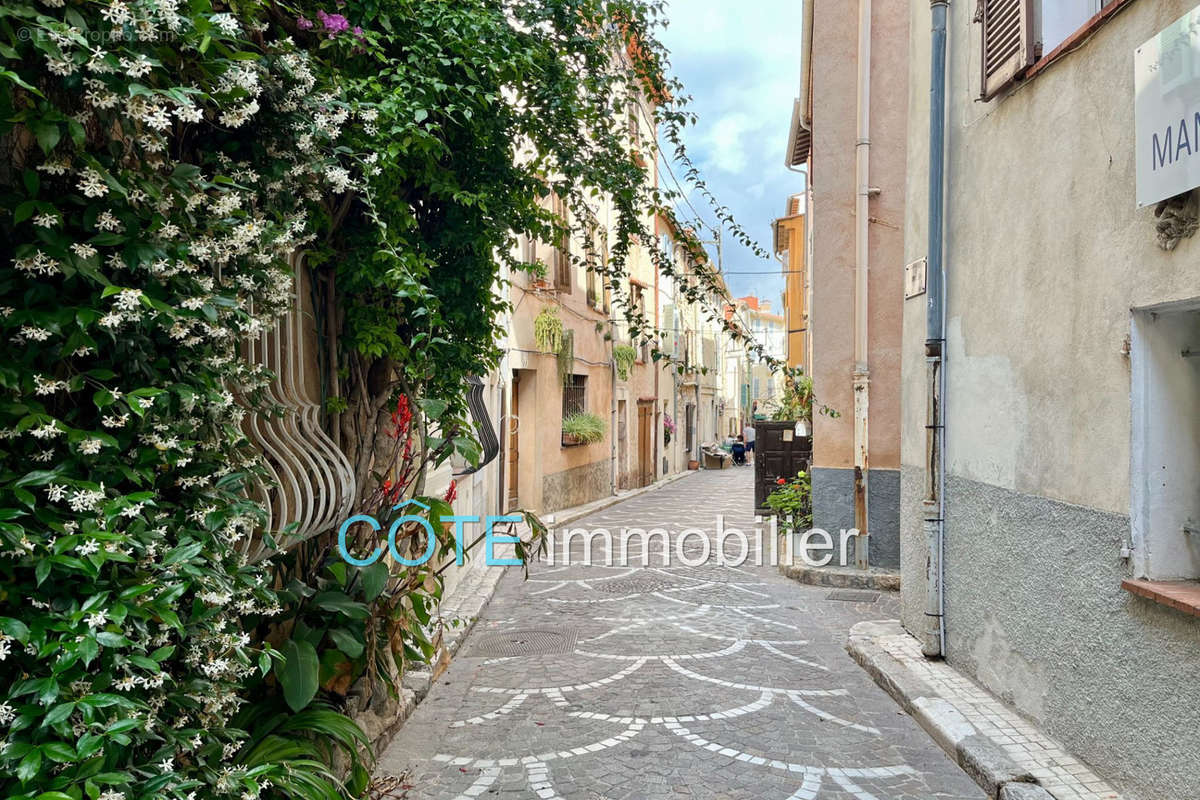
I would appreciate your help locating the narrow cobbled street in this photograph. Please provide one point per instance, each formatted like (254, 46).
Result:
(652, 682)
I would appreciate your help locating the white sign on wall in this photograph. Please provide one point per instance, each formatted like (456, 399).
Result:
(1167, 111)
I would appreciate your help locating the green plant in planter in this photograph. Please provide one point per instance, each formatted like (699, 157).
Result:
(584, 427)
(792, 501)
(624, 355)
(548, 331)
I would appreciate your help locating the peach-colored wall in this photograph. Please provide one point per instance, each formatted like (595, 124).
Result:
(794, 293)
(541, 452)
(834, 70)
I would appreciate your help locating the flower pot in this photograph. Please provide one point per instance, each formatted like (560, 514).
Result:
(693, 464)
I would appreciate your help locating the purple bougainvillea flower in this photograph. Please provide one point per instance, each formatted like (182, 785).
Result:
(303, 23)
(334, 23)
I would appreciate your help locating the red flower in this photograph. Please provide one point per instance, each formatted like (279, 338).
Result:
(452, 492)
(780, 481)
(401, 417)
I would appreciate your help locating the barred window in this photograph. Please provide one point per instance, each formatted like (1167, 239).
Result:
(574, 395)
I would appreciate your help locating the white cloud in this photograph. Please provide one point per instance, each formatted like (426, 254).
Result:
(740, 60)
(725, 140)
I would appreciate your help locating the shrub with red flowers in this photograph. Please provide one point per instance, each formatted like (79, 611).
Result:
(792, 502)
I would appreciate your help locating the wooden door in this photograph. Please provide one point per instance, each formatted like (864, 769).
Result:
(625, 473)
(514, 427)
(645, 444)
(778, 453)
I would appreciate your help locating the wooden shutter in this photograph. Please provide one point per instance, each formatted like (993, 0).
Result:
(1009, 42)
(562, 248)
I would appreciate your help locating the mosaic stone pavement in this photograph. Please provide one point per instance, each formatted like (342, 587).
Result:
(709, 681)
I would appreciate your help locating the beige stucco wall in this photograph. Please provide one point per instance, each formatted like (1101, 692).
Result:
(1046, 255)
(541, 453)
(833, 188)
(1046, 244)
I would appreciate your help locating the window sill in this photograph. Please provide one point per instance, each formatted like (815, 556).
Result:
(1180, 595)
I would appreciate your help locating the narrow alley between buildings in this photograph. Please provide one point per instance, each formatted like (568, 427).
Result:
(649, 682)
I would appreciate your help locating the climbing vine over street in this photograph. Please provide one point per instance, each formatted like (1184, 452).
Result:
(164, 163)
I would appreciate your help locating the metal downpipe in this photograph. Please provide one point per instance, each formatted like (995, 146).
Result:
(862, 262)
(933, 643)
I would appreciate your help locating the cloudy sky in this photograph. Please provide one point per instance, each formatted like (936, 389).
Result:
(740, 61)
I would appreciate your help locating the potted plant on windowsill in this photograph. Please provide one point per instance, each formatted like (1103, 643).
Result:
(582, 428)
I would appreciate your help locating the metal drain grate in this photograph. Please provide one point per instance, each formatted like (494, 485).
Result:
(639, 584)
(853, 595)
(525, 642)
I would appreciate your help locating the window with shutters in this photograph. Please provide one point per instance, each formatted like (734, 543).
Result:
(561, 259)
(1016, 33)
(1009, 29)
(607, 290)
(595, 282)
(638, 296)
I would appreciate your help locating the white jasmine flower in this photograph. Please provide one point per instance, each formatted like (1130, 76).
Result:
(34, 333)
(86, 549)
(227, 23)
(86, 499)
(105, 221)
(56, 167)
(128, 300)
(117, 13)
(42, 386)
(45, 220)
(89, 447)
(47, 431)
(189, 114)
(58, 66)
(96, 62)
(92, 184)
(97, 619)
(83, 250)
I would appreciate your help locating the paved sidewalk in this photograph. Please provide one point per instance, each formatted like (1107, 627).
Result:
(711, 681)
(963, 717)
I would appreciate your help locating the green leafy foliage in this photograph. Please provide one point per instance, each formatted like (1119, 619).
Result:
(623, 356)
(584, 427)
(798, 401)
(548, 330)
(792, 502)
(164, 164)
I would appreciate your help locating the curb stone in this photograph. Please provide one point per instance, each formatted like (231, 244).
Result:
(1024, 791)
(995, 772)
(844, 577)
(989, 766)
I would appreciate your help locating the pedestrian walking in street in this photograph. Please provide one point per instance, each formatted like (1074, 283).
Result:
(748, 437)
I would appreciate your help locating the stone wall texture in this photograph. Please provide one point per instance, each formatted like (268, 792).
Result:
(575, 486)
